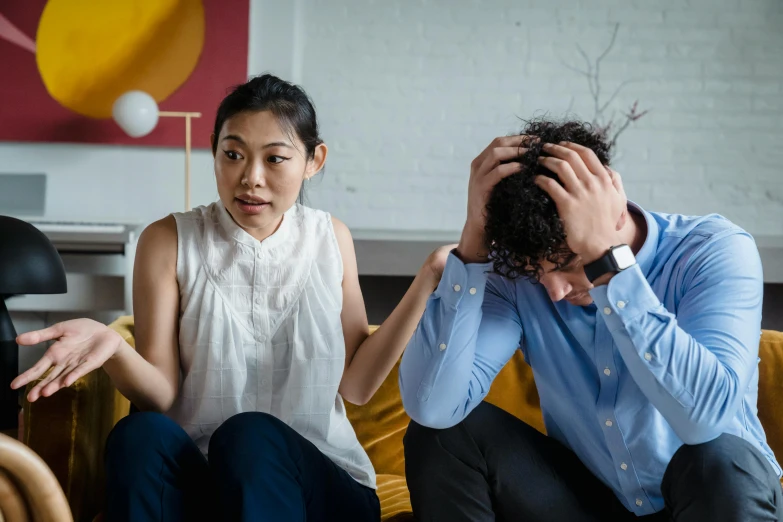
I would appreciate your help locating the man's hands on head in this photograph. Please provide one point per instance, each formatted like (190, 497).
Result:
(590, 201)
(492, 165)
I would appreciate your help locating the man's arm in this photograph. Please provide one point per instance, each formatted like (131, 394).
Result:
(694, 367)
(469, 331)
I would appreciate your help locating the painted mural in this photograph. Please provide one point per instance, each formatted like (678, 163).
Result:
(65, 62)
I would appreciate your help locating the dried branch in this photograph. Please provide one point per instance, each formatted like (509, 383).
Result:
(609, 47)
(590, 73)
(575, 69)
(584, 55)
(630, 117)
(593, 75)
(614, 94)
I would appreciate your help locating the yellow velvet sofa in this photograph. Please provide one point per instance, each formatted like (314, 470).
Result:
(69, 429)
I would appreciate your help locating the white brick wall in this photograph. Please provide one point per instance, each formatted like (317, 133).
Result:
(410, 91)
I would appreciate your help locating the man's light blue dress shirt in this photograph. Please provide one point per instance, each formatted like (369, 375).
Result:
(666, 355)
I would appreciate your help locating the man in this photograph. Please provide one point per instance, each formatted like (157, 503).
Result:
(642, 336)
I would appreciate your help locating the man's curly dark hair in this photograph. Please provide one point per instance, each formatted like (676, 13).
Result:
(522, 224)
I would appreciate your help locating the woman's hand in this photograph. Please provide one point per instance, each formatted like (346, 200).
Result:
(433, 267)
(81, 346)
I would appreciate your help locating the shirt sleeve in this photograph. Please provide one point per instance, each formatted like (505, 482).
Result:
(695, 362)
(469, 331)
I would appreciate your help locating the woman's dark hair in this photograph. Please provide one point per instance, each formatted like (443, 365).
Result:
(288, 102)
(523, 226)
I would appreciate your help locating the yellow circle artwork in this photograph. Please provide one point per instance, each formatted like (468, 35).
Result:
(90, 52)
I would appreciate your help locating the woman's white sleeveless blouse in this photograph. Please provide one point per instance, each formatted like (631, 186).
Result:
(260, 329)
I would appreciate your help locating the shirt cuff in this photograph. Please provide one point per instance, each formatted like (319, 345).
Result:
(460, 280)
(627, 296)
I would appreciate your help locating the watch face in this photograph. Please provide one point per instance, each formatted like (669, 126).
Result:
(624, 257)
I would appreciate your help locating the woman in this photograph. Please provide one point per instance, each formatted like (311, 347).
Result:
(250, 330)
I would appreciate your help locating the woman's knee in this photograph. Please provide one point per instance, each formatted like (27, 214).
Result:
(246, 431)
(251, 447)
(142, 442)
(143, 431)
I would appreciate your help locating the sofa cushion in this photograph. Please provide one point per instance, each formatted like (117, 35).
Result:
(395, 499)
(770, 401)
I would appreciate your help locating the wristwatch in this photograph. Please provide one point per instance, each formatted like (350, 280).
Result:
(617, 259)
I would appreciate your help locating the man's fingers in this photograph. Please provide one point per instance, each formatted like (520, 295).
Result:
(38, 369)
(558, 194)
(39, 336)
(573, 159)
(503, 142)
(563, 170)
(616, 181)
(497, 157)
(511, 141)
(588, 157)
(502, 171)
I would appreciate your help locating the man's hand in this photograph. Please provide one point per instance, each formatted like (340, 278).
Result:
(589, 203)
(485, 172)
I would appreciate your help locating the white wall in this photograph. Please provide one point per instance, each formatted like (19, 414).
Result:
(410, 91)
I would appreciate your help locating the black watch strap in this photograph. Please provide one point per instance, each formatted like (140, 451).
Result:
(602, 265)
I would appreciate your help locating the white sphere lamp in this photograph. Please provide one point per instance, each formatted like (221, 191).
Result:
(136, 112)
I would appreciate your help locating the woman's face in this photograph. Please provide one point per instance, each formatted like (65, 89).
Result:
(260, 168)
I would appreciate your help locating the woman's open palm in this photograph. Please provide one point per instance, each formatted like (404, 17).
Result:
(80, 346)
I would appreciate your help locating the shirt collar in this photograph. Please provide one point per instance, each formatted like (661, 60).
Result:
(237, 233)
(646, 255)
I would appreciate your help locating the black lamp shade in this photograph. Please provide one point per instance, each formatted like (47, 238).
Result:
(29, 263)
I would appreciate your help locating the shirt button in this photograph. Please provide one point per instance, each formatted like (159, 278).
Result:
(442, 346)
(608, 423)
(607, 371)
(648, 356)
(472, 291)
(620, 304)
(623, 466)
(639, 502)
(457, 288)
(607, 311)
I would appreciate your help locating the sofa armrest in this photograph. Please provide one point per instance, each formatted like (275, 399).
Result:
(69, 429)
